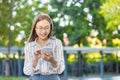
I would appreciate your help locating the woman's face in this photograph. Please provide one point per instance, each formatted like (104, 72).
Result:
(43, 29)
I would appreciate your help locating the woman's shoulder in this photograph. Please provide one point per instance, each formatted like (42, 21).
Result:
(56, 40)
(30, 43)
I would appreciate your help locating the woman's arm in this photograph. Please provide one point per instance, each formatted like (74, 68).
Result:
(37, 56)
(28, 68)
(59, 59)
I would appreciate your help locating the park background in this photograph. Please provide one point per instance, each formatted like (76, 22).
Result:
(78, 23)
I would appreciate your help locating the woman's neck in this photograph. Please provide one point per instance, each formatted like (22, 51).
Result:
(42, 42)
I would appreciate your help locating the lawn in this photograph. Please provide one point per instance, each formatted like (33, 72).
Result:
(11, 78)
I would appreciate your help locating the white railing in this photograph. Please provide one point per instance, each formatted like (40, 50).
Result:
(69, 49)
(79, 51)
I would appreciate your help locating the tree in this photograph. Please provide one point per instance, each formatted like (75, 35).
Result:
(110, 10)
(17, 16)
(78, 18)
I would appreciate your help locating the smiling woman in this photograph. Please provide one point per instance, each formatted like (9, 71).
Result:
(41, 63)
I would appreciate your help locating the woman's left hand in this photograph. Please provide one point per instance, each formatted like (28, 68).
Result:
(47, 56)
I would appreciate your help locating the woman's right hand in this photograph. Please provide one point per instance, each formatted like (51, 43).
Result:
(37, 54)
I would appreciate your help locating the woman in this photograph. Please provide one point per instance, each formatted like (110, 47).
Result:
(41, 64)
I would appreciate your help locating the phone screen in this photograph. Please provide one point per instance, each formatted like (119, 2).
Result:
(47, 49)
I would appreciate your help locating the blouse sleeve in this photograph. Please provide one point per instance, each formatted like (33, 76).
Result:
(59, 57)
(27, 69)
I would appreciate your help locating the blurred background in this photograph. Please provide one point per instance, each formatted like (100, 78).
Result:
(89, 30)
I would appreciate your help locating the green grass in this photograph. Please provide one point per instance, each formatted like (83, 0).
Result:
(11, 78)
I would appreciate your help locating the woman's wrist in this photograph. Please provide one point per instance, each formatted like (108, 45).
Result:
(54, 63)
(35, 62)
(35, 59)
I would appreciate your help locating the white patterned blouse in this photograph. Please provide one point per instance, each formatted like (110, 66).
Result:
(44, 67)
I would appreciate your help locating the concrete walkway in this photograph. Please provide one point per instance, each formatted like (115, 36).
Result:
(94, 77)
(97, 78)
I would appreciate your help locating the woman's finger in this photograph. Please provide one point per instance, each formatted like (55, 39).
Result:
(47, 54)
(35, 53)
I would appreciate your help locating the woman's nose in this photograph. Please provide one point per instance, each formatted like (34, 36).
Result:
(43, 30)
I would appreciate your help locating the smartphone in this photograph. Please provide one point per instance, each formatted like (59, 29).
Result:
(47, 49)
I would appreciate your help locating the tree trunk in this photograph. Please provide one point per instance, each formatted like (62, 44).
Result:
(7, 64)
(7, 67)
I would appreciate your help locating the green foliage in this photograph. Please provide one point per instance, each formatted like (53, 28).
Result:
(77, 18)
(110, 10)
(11, 78)
(71, 58)
(76, 14)
(18, 14)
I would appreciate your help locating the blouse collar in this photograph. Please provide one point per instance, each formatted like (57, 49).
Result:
(48, 41)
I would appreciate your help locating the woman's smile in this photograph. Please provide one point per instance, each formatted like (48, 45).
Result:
(43, 34)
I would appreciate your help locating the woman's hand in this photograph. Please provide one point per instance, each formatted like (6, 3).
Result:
(49, 57)
(37, 55)
(46, 55)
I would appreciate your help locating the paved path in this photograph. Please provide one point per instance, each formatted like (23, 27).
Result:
(93, 77)
(97, 78)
